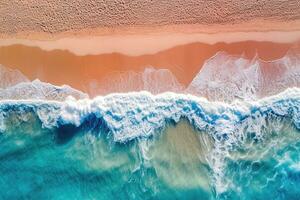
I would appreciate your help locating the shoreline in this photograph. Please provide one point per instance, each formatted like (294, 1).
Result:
(60, 67)
(116, 60)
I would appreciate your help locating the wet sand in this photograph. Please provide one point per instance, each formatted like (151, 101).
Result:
(184, 61)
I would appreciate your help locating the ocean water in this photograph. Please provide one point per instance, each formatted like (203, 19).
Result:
(144, 146)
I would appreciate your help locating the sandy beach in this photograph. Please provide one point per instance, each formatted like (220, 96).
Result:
(52, 18)
(89, 44)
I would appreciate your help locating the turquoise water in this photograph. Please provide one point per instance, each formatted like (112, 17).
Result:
(140, 146)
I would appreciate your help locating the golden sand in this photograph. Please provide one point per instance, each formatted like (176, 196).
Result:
(53, 17)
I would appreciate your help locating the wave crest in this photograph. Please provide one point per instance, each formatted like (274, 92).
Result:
(141, 115)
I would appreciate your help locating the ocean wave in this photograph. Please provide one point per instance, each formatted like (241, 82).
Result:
(221, 149)
(141, 114)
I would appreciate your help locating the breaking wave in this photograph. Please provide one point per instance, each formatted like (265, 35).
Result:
(225, 134)
(234, 144)
(223, 77)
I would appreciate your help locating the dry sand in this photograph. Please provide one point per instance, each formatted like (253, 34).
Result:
(51, 17)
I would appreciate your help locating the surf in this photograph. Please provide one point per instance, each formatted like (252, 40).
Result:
(134, 132)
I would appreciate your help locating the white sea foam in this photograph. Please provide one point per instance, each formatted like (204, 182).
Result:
(15, 85)
(131, 115)
(152, 80)
(40, 90)
(222, 78)
(10, 77)
(226, 77)
(141, 114)
(128, 116)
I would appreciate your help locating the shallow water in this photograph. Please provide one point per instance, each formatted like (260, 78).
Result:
(168, 146)
(176, 164)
